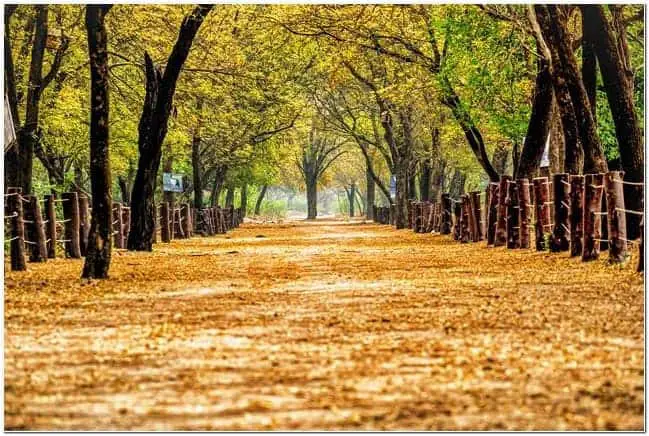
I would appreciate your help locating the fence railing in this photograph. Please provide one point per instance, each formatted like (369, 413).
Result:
(34, 226)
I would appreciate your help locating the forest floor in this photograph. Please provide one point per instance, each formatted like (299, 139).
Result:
(325, 325)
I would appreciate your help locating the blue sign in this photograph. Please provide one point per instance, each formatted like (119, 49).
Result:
(172, 182)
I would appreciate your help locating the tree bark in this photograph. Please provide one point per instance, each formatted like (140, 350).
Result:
(229, 196)
(618, 82)
(594, 159)
(97, 262)
(244, 199)
(160, 89)
(260, 199)
(312, 199)
(369, 194)
(538, 127)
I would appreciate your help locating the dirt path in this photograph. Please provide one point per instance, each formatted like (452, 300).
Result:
(325, 326)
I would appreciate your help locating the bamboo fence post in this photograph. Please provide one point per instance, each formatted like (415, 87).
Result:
(186, 220)
(524, 201)
(513, 214)
(560, 234)
(616, 214)
(594, 187)
(447, 219)
(71, 217)
(35, 230)
(126, 223)
(492, 212)
(15, 206)
(465, 220)
(576, 215)
(50, 225)
(640, 267)
(500, 238)
(477, 214)
(165, 231)
(84, 223)
(118, 225)
(541, 212)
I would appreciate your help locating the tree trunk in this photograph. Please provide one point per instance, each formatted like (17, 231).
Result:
(311, 199)
(564, 104)
(244, 200)
(229, 196)
(538, 127)
(424, 180)
(369, 194)
(618, 82)
(260, 199)
(457, 184)
(97, 262)
(351, 194)
(124, 190)
(160, 89)
(594, 159)
(401, 200)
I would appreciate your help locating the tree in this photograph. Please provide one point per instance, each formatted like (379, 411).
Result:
(160, 88)
(97, 262)
(19, 160)
(617, 75)
(318, 154)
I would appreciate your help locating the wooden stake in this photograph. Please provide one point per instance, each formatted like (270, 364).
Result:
(524, 211)
(617, 246)
(492, 213)
(500, 237)
(513, 215)
(84, 223)
(35, 230)
(50, 225)
(577, 183)
(477, 216)
(542, 215)
(594, 188)
(560, 233)
(15, 206)
(447, 218)
(457, 228)
(186, 220)
(71, 217)
(165, 230)
(118, 225)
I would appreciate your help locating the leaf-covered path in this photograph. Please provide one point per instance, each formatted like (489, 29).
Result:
(325, 325)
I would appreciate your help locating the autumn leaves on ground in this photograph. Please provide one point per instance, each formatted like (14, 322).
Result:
(325, 325)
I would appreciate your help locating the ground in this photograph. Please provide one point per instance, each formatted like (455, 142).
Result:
(325, 325)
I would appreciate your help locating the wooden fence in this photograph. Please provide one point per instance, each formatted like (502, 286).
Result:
(579, 214)
(35, 226)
